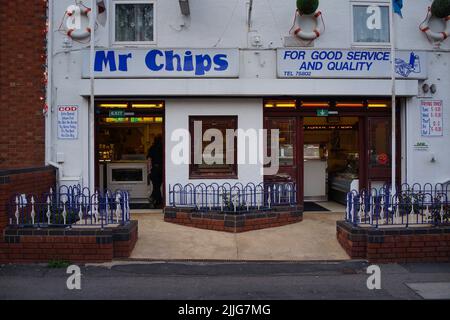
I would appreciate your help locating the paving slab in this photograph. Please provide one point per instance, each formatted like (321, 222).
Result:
(431, 290)
(313, 239)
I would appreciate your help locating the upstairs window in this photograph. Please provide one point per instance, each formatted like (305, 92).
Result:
(370, 23)
(134, 22)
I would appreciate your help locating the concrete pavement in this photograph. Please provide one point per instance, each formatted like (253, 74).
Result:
(312, 239)
(225, 280)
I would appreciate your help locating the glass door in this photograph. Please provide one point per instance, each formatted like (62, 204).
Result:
(379, 151)
(288, 163)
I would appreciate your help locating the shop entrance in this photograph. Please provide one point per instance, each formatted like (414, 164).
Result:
(330, 147)
(330, 157)
(130, 150)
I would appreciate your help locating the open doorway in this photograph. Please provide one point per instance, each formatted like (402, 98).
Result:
(331, 159)
(130, 150)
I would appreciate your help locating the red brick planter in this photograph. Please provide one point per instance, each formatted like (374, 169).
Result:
(78, 245)
(276, 217)
(395, 244)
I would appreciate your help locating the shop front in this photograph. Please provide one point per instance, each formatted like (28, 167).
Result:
(333, 119)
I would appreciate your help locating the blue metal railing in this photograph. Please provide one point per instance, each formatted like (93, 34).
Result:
(232, 198)
(69, 206)
(414, 204)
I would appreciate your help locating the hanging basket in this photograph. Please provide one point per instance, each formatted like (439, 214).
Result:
(307, 6)
(440, 8)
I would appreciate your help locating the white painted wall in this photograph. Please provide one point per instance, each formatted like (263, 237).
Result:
(222, 24)
(250, 116)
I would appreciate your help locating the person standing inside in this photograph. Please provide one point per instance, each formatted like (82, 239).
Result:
(155, 156)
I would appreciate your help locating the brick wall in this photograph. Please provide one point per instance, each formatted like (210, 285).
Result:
(29, 181)
(276, 217)
(414, 244)
(22, 55)
(76, 245)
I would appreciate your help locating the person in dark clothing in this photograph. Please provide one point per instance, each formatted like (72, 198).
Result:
(155, 155)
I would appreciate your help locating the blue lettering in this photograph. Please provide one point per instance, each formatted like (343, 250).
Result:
(170, 56)
(221, 61)
(123, 59)
(150, 60)
(326, 55)
(104, 59)
(188, 62)
(200, 67)
(294, 55)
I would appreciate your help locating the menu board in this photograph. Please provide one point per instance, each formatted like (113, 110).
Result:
(68, 122)
(431, 118)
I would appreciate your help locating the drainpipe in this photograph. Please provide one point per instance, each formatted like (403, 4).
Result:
(249, 18)
(50, 96)
(91, 124)
(48, 116)
(393, 106)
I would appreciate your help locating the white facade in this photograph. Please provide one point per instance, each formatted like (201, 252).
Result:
(218, 24)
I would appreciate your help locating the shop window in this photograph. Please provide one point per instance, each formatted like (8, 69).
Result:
(286, 136)
(213, 148)
(134, 22)
(370, 23)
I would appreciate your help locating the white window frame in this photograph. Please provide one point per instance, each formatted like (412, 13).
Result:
(113, 23)
(369, 44)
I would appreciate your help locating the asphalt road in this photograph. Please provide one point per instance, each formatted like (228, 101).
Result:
(226, 281)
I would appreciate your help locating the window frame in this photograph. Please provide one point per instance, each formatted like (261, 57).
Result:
(113, 23)
(194, 172)
(356, 44)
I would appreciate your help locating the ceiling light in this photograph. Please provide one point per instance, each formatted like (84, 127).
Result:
(114, 105)
(315, 104)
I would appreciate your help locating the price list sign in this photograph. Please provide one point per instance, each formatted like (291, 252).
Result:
(68, 122)
(431, 118)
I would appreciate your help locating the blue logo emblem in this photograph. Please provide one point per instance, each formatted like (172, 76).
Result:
(404, 68)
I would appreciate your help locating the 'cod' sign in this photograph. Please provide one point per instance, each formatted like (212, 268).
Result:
(68, 122)
(163, 63)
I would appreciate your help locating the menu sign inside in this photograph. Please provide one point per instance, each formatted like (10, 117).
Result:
(431, 118)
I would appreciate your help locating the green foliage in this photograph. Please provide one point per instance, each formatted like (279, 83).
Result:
(440, 8)
(58, 264)
(307, 6)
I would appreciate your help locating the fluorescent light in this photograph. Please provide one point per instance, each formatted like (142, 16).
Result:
(315, 104)
(280, 104)
(377, 104)
(349, 104)
(114, 105)
(147, 105)
(285, 105)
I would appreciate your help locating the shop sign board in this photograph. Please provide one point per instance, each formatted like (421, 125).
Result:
(346, 63)
(163, 63)
(421, 146)
(68, 122)
(431, 118)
